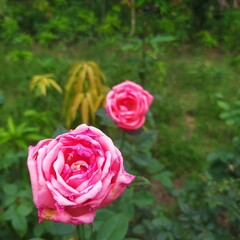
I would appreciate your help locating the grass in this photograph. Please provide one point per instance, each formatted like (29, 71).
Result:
(185, 109)
(188, 114)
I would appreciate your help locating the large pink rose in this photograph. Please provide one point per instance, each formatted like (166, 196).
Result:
(75, 174)
(127, 104)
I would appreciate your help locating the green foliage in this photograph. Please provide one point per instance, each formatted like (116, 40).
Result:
(46, 38)
(230, 114)
(114, 228)
(61, 21)
(148, 52)
(207, 39)
(9, 28)
(18, 206)
(20, 56)
(111, 21)
(209, 202)
(18, 136)
(178, 52)
(230, 29)
(160, 151)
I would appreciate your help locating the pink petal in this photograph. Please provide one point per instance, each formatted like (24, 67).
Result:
(89, 193)
(63, 189)
(107, 164)
(97, 200)
(75, 216)
(49, 159)
(42, 197)
(60, 199)
(95, 177)
(59, 183)
(79, 129)
(116, 189)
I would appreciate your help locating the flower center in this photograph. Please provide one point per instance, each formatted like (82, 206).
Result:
(79, 166)
(127, 104)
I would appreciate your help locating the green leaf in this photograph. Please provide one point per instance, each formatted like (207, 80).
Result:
(139, 229)
(10, 189)
(237, 102)
(162, 38)
(19, 223)
(143, 199)
(56, 228)
(146, 139)
(102, 214)
(105, 119)
(184, 208)
(5, 138)
(127, 209)
(21, 143)
(59, 130)
(9, 200)
(162, 222)
(155, 166)
(9, 213)
(40, 229)
(11, 125)
(114, 228)
(140, 182)
(24, 209)
(142, 158)
(230, 122)
(34, 137)
(224, 115)
(165, 178)
(223, 105)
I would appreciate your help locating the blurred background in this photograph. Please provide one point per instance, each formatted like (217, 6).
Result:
(184, 52)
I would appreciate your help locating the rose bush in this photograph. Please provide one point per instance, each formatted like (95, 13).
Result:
(75, 174)
(127, 104)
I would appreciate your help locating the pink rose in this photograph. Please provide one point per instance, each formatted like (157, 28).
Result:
(75, 174)
(127, 104)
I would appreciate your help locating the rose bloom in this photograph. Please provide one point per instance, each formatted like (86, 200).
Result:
(127, 104)
(75, 174)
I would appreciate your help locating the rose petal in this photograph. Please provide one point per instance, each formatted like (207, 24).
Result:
(96, 176)
(96, 202)
(90, 193)
(59, 183)
(42, 197)
(117, 188)
(60, 199)
(79, 216)
(48, 160)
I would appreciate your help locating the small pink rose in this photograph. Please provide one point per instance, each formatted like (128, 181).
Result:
(127, 104)
(75, 174)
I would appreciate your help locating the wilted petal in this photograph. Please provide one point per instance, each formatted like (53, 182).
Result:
(75, 216)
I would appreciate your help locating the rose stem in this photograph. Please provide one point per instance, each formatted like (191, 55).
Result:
(80, 232)
(122, 140)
